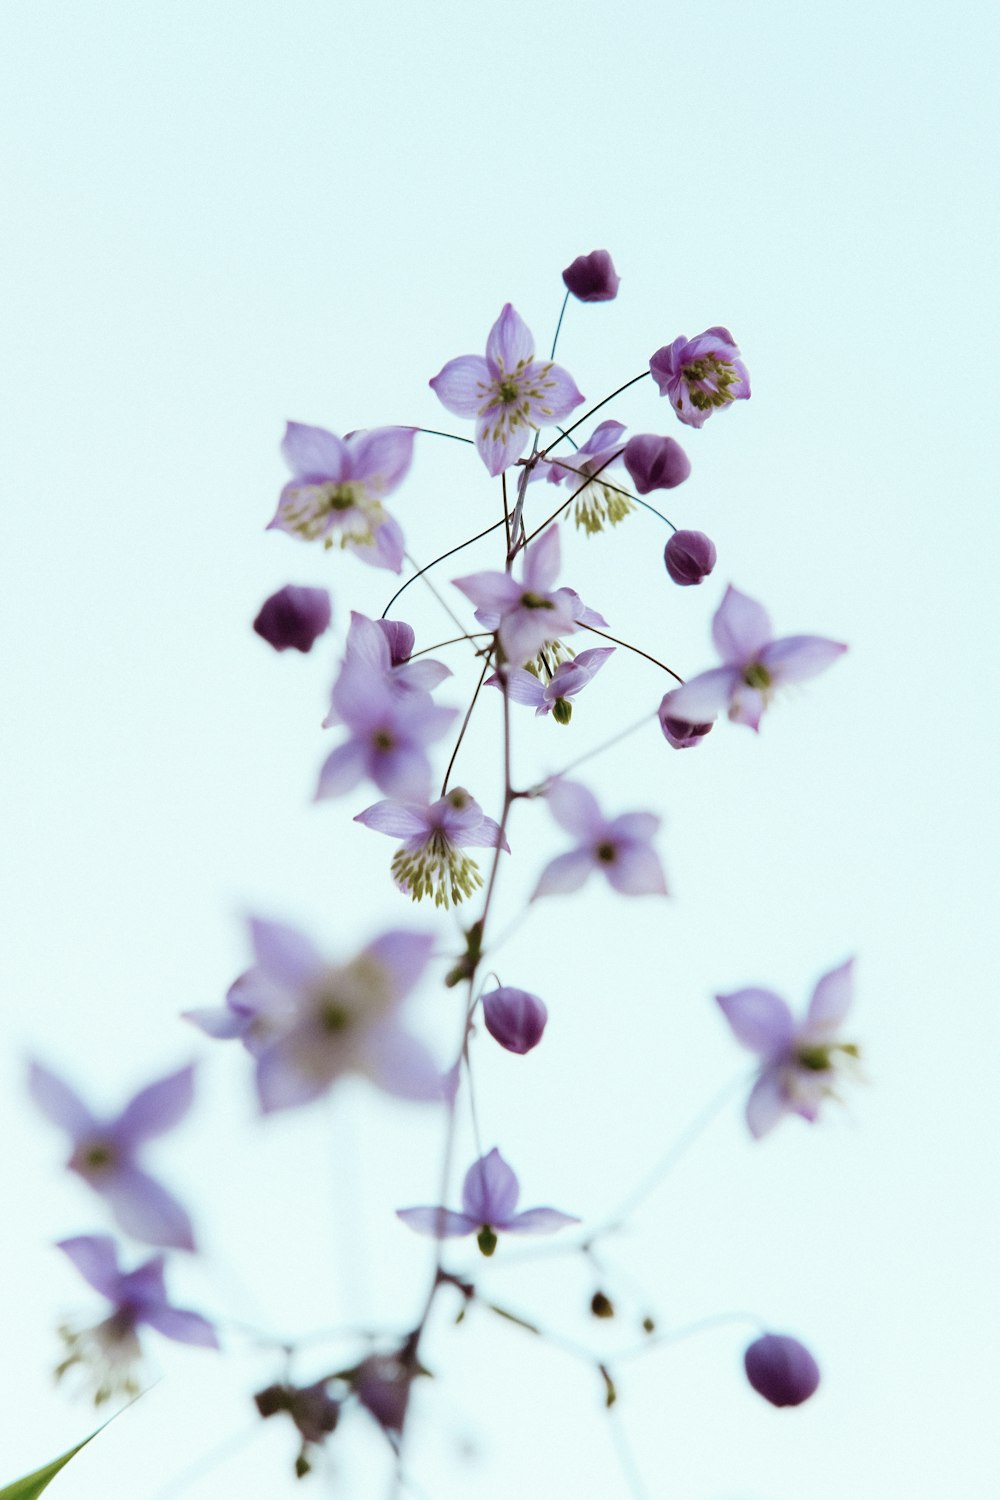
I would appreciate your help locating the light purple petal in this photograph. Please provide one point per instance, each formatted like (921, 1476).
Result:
(636, 871)
(146, 1210)
(387, 550)
(759, 1019)
(494, 593)
(95, 1256)
(524, 632)
(796, 658)
(747, 706)
(767, 1103)
(639, 826)
(509, 341)
(741, 627)
(565, 873)
(572, 676)
(420, 676)
(522, 687)
(559, 396)
(439, 1223)
(463, 384)
(218, 1021)
(575, 809)
(182, 1326)
(281, 1081)
(157, 1108)
(404, 820)
(500, 441)
(541, 562)
(60, 1104)
(368, 644)
(539, 1221)
(403, 771)
(382, 457)
(706, 696)
(403, 956)
(490, 1190)
(401, 1065)
(284, 953)
(341, 771)
(313, 452)
(831, 999)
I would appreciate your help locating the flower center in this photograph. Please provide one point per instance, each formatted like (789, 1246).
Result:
(97, 1157)
(708, 381)
(341, 497)
(508, 392)
(757, 676)
(535, 601)
(334, 1017)
(383, 740)
(606, 852)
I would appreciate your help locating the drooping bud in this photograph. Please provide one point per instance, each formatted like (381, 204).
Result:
(382, 1384)
(514, 1018)
(781, 1369)
(400, 638)
(655, 463)
(294, 617)
(601, 1306)
(592, 278)
(689, 556)
(562, 710)
(486, 1240)
(679, 732)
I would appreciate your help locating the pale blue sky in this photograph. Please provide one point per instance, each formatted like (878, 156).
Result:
(220, 216)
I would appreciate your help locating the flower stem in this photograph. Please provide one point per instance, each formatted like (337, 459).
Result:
(637, 649)
(427, 566)
(465, 725)
(588, 414)
(562, 314)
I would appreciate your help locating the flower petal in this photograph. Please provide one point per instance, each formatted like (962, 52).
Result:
(797, 658)
(313, 452)
(381, 457)
(60, 1104)
(439, 1223)
(399, 1064)
(541, 562)
(704, 697)
(403, 956)
(565, 873)
(636, 871)
(759, 1019)
(463, 385)
(157, 1108)
(831, 999)
(182, 1326)
(539, 1221)
(146, 1211)
(490, 1190)
(767, 1103)
(575, 809)
(509, 342)
(341, 771)
(741, 628)
(284, 953)
(403, 820)
(95, 1256)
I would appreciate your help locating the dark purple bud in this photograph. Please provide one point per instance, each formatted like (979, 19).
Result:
(689, 556)
(679, 732)
(655, 463)
(601, 1306)
(294, 617)
(400, 637)
(592, 277)
(382, 1384)
(514, 1018)
(781, 1369)
(314, 1412)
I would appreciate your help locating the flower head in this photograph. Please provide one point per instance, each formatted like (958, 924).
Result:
(799, 1062)
(294, 617)
(596, 498)
(489, 1198)
(377, 655)
(620, 848)
(592, 278)
(110, 1350)
(104, 1151)
(552, 696)
(431, 862)
(680, 732)
(510, 393)
(781, 1369)
(528, 614)
(689, 557)
(701, 375)
(655, 463)
(337, 488)
(755, 665)
(514, 1018)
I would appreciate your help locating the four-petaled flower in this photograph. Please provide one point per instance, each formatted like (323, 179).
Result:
(701, 375)
(110, 1350)
(620, 849)
(553, 696)
(489, 1197)
(596, 497)
(509, 392)
(527, 615)
(431, 862)
(755, 665)
(104, 1151)
(338, 486)
(378, 652)
(798, 1061)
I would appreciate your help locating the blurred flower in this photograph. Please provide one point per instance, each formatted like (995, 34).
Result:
(595, 498)
(781, 1369)
(489, 1198)
(690, 556)
(799, 1063)
(592, 277)
(655, 463)
(377, 652)
(382, 1384)
(430, 862)
(514, 1018)
(620, 849)
(312, 1409)
(294, 617)
(509, 392)
(679, 732)
(338, 486)
(701, 375)
(755, 664)
(569, 678)
(104, 1151)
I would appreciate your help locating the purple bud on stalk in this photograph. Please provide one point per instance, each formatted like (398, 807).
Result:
(592, 278)
(514, 1018)
(655, 463)
(400, 639)
(677, 731)
(294, 617)
(781, 1369)
(690, 556)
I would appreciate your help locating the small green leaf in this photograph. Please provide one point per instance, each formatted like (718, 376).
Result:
(32, 1485)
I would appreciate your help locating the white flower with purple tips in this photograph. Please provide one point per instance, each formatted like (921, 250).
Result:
(620, 848)
(755, 665)
(799, 1061)
(489, 1200)
(431, 862)
(596, 498)
(509, 393)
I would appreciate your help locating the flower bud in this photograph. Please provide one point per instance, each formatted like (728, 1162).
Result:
(562, 710)
(400, 638)
(514, 1018)
(293, 617)
(689, 556)
(592, 278)
(382, 1385)
(781, 1369)
(655, 463)
(601, 1306)
(679, 732)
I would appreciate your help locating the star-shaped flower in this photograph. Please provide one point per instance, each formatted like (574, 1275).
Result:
(619, 848)
(489, 1199)
(510, 393)
(569, 678)
(431, 862)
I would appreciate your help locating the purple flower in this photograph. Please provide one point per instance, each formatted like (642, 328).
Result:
(338, 486)
(689, 556)
(514, 1018)
(382, 1385)
(592, 277)
(378, 652)
(553, 696)
(509, 392)
(294, 617)
(655, 463)
(620, 849)
(679, 732)
(430, 862)
(596, 498)
(700, 375)
(781, 1369)
(527, 615)
(336, 1019)
(311, 1407)
(798, 1062)
(755, 665)
(489, 1198)
(104, 1151)
(110, 1349)
(252, 1011)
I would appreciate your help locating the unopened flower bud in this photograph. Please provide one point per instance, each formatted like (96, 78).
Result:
(592, 278)
(689, 556)
(293, 617)
(486, 1240)
(655, 463)
(679, 732)
(514, 1018)
(562, 710)
(601, 1306)
(382, 1385)
(400, 638)
(781, 1369)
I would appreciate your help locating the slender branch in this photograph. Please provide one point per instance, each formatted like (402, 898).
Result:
(469, 635)
(562, 314)
(588, 414)
(465, 725)
(638, 651)
(433, 432)
(427, 566)
(578, 491)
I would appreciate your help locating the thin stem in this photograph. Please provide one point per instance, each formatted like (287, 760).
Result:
(588, 414)
(427, 567)
(433, 432)
(690, 1330)
(562, 314)
(465, 725)
(470, 635)
(638, 650)
(542, 787)
(506, 512)
(578, 491)
(626, 1458)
